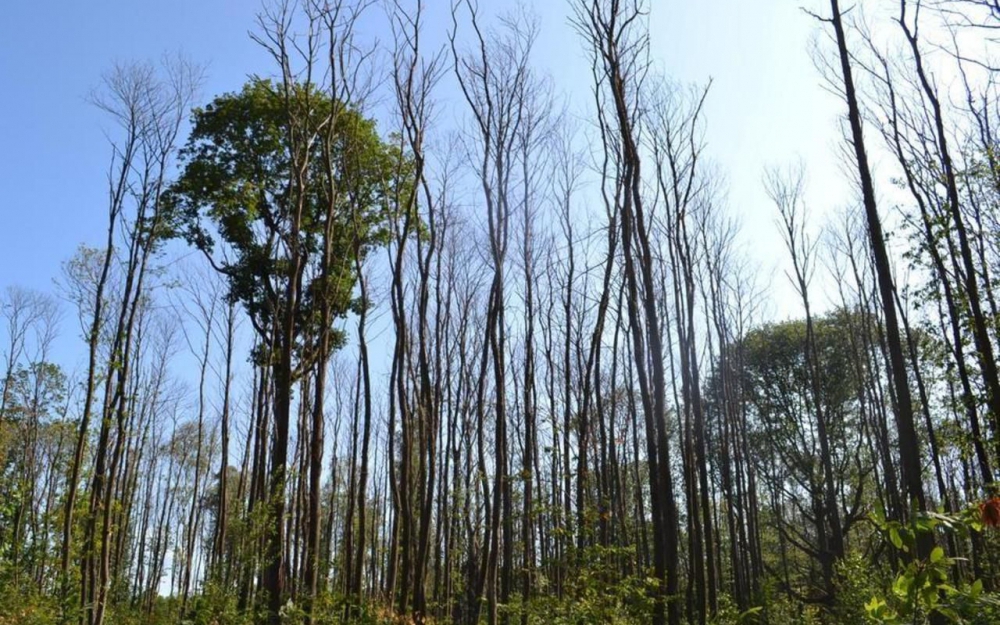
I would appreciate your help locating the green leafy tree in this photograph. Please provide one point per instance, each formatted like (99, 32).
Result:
(262, 170)
(774, 377)
(298, 188)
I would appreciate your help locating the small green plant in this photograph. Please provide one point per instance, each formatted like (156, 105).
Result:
(730, 614)
(931, 588)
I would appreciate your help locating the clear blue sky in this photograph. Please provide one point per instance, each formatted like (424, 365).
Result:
(766, 107)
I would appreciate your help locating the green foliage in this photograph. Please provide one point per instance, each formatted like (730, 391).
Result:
(595, 593)
(783, 610)
(931, 587)
(857, 575)
(33, 432)
(776, 376)
(26, 606)
(277, 174)
(215, 606)
(730, 614)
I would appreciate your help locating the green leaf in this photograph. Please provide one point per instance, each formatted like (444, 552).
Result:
(901, 587)
(976, 589)
(936, 554)
(895, 538)
(874, 606)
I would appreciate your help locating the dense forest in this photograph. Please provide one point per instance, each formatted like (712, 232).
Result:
(339, 361)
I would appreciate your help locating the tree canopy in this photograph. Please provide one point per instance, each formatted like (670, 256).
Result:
(275, 171)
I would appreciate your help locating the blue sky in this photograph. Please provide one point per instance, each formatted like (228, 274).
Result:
(53, 154)
(766, 107)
